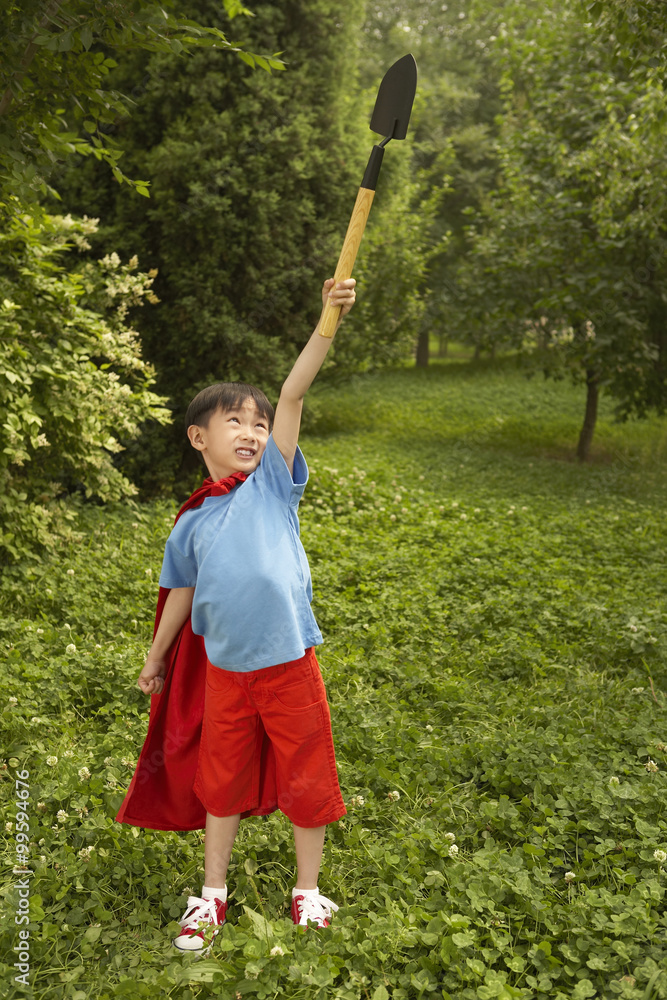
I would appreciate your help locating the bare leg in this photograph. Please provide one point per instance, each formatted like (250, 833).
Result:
(309, 844)
(220, 835)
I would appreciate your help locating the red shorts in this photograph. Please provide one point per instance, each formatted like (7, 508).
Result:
(266, 743)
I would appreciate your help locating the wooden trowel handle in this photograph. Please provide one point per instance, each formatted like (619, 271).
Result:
(348, 255)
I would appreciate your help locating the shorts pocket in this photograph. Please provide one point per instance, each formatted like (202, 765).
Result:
(297, 694)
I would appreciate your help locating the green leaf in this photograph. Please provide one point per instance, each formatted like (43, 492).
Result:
(463, 939)
(86, 36)
(583, 989)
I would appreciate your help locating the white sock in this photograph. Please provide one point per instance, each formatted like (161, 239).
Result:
(305, 892)
(211, 893)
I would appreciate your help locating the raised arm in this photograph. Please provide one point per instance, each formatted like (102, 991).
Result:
(290, 405)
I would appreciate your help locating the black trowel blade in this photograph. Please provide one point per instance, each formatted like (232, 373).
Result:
(394, 101)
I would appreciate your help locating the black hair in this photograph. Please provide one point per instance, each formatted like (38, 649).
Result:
(225, 396)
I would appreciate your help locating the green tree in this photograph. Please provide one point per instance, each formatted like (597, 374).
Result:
(73, 386)
(56, 100)
(567, 258)
(253, 181)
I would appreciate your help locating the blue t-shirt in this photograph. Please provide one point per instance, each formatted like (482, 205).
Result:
(243, 555)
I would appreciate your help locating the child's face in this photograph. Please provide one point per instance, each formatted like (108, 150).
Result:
(234, 440)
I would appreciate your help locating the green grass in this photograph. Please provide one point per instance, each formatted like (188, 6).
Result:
(495, 618)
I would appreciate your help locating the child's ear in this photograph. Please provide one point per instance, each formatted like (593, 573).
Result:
(196, 437)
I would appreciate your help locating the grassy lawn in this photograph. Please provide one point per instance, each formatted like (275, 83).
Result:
(495, 618)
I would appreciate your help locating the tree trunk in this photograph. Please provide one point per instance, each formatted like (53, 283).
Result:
(422, 349)
(590, 417)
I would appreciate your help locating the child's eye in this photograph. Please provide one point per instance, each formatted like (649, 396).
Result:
(234, 418)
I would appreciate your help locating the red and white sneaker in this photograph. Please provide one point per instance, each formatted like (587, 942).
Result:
(312, 907)
(197, 921)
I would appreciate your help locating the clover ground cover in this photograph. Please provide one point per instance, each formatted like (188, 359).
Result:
(496, 628)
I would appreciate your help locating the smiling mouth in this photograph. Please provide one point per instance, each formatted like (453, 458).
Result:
(245, 453)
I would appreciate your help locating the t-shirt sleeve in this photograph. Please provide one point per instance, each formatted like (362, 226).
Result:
(179, 566)
(274, 475)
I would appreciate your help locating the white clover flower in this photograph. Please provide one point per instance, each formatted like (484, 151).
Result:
(108, 760)
(651, 766)
(62, 815)
(659, 746)
(70, 572)
(67, 626)
(68, 753)
(394, 796)
(451, 837)
(357, 800)
(660, 856)
(71, 648)
(39, 631)
(148, 572)
(84, 773)
(429, 729)
(569, 877)
(9, 827)
(127, 761)
(614, 780)
(85, 853)
(464, 517)
(13, 701)
(276, 950)
(392, 517)
(41, 806)
(636, 690)
(455, 504)
(52, 761)
(453, 850)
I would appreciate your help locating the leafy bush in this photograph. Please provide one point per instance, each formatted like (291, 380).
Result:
(73, 386)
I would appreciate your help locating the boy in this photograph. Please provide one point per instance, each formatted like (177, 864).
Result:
(237, 574)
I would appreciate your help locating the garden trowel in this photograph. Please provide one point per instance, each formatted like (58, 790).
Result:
(390, 119)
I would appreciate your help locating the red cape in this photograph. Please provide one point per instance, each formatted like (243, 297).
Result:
(161, 795)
